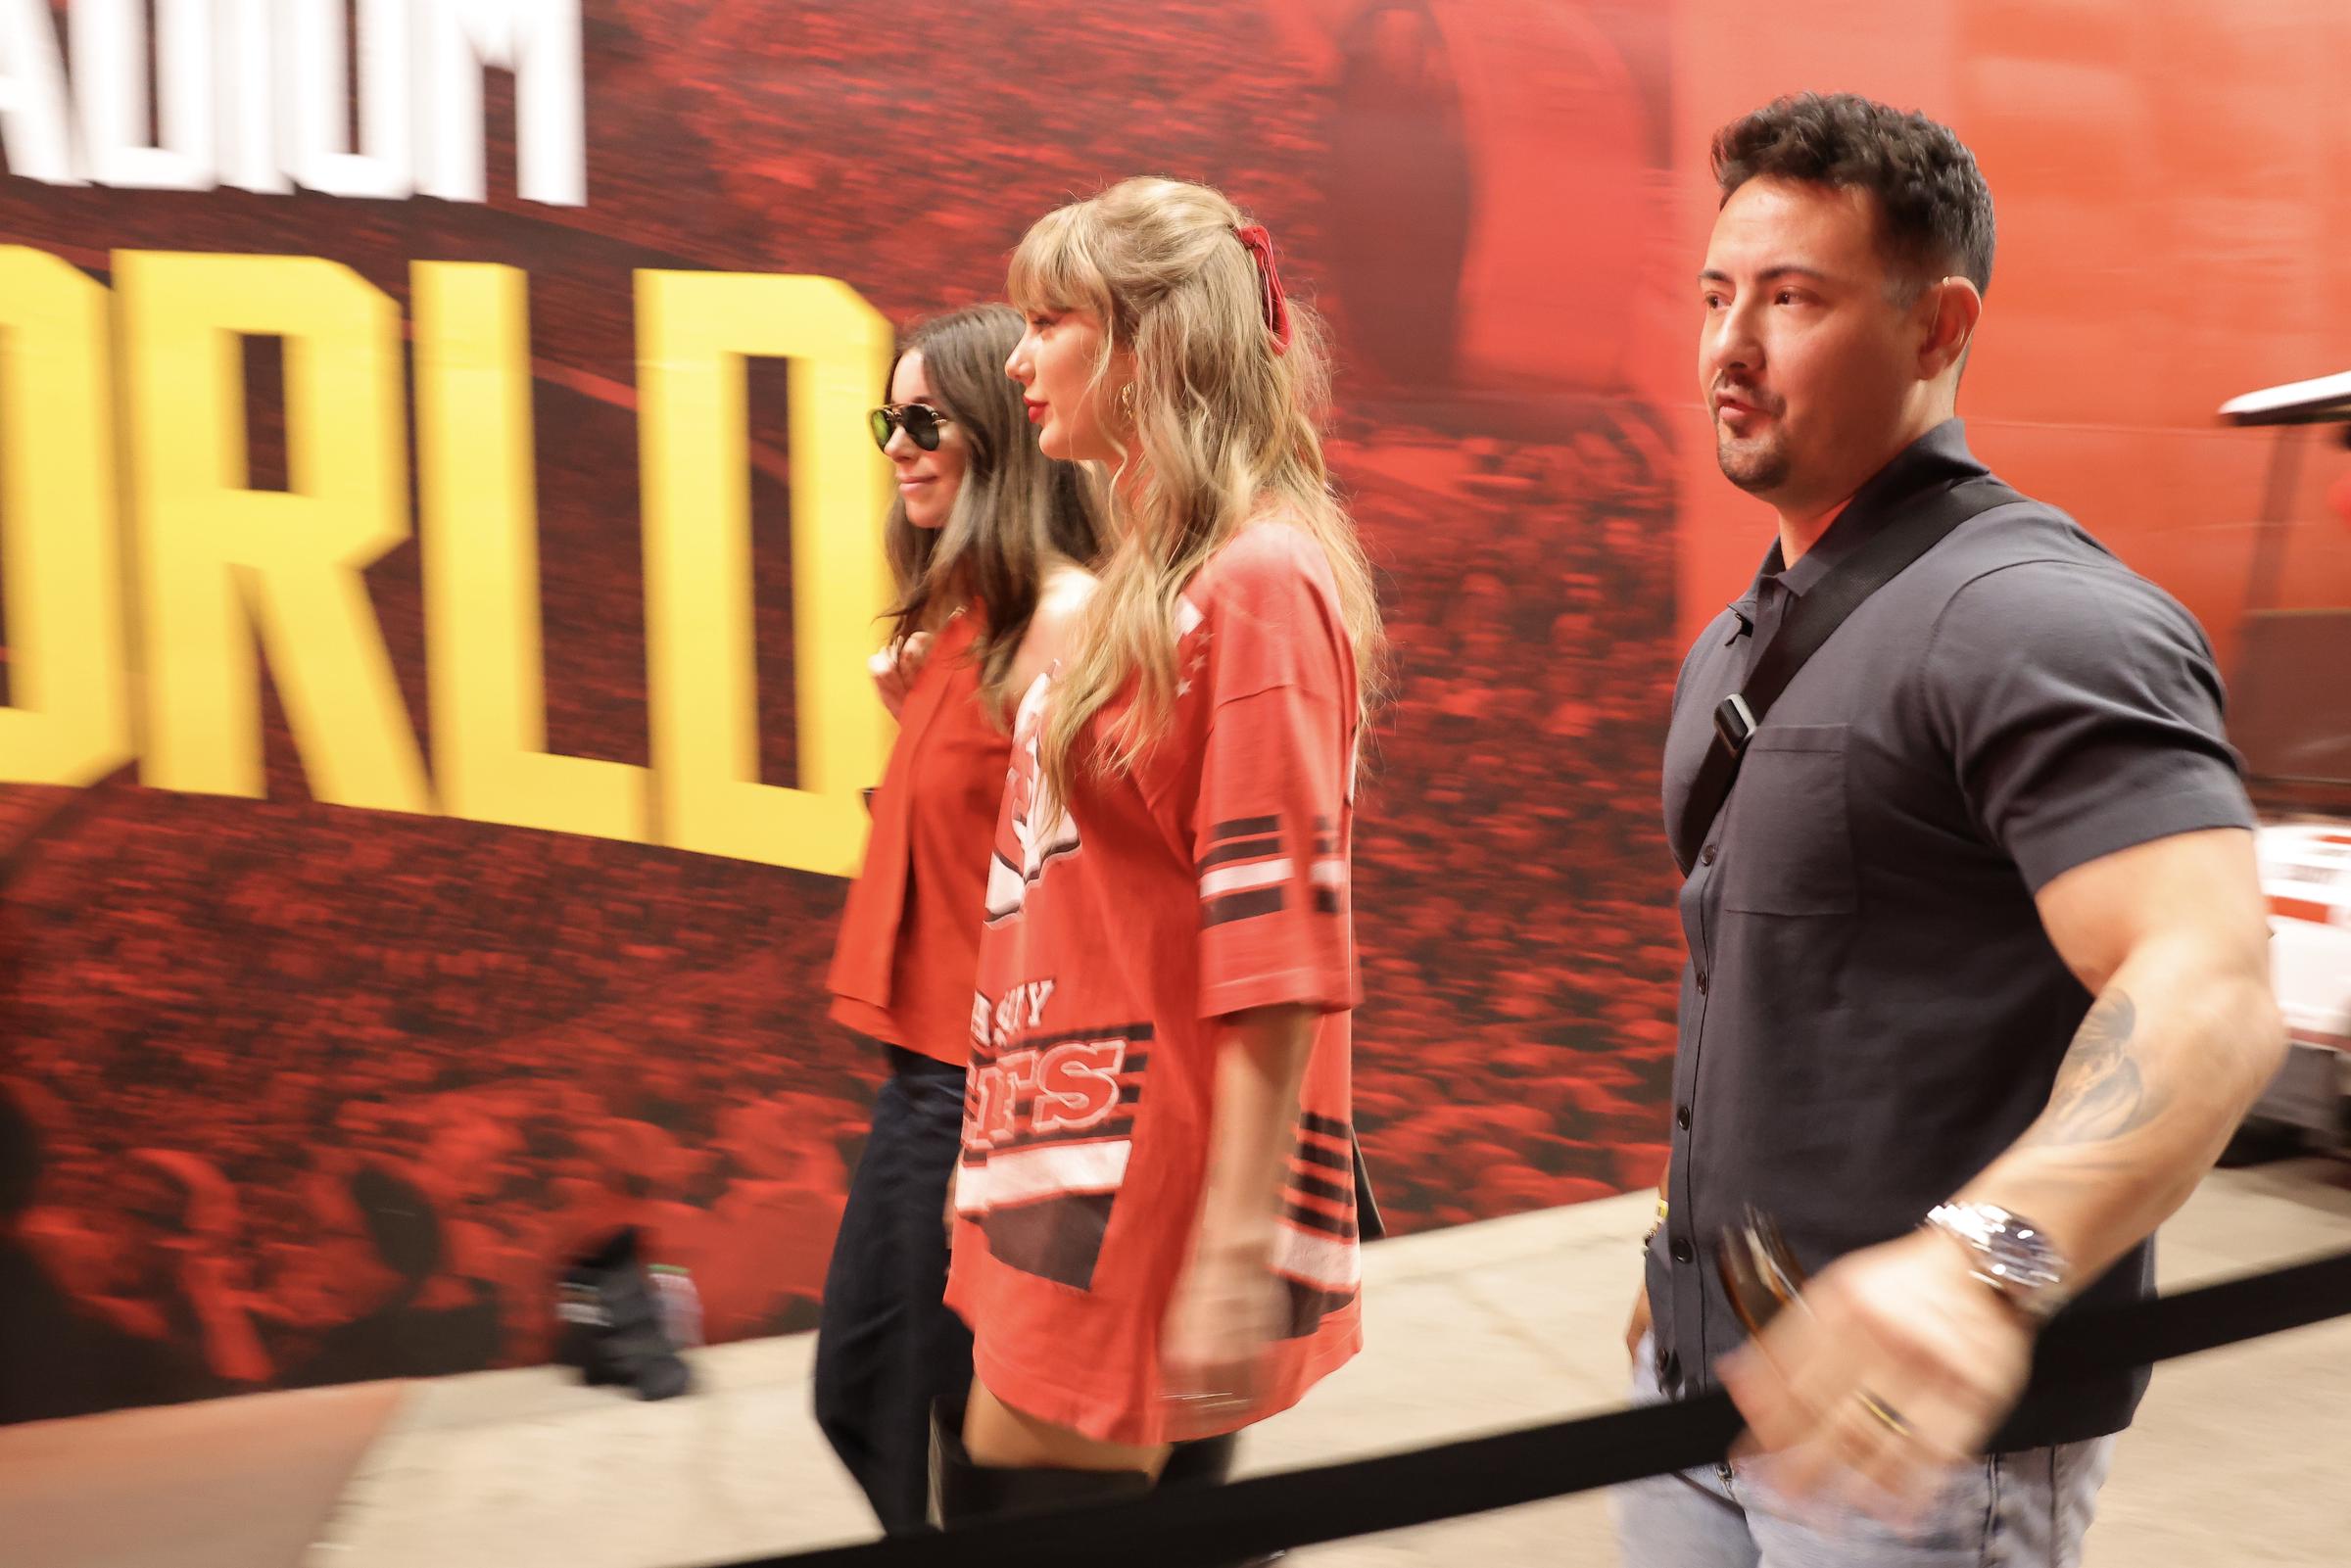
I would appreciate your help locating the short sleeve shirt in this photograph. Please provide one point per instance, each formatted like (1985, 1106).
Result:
(1871, 1011)
(1122, 928)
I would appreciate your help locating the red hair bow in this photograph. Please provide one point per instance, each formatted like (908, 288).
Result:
(1259, 246)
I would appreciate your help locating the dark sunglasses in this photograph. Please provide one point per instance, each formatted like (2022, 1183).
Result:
(1759, 1274)
(918, 420)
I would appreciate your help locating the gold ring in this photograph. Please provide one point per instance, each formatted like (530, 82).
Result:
(1886, 1414)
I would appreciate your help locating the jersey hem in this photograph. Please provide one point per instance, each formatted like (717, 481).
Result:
(1091, 1413)
(1305, 987)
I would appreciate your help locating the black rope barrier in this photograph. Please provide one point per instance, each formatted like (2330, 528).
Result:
(1194, 1527)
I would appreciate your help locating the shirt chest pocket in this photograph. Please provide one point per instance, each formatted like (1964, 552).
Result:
(1786, 845)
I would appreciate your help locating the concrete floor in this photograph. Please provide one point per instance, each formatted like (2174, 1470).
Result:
(2237, 1456)
(244, 1483)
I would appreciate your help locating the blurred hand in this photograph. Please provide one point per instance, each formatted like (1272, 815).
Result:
(1226, 1313)
(948, 1214)
(1896, 1366)
(896, 667)
(1638, 1326)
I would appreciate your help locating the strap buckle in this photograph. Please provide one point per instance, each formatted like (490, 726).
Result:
(1735, 723)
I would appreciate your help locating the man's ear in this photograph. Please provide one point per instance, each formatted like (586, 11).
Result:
(1955, 307)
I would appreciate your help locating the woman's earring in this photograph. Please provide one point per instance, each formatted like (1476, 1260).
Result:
(1126, 402)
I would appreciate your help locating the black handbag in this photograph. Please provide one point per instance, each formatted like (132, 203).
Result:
(612, 1330)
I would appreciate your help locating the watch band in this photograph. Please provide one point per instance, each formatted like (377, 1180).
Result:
(2009, 1254)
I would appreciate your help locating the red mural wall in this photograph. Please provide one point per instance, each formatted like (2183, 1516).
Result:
(263, 1053)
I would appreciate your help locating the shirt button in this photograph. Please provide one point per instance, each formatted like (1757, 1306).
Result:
(1681, 1118)
(1682, 1250)
(1706, 856)
(1702, 982)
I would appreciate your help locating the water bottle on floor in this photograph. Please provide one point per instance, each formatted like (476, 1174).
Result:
(681, 1305)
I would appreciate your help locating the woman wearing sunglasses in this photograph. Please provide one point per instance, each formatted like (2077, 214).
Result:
(1156, 1225)
(988, 544)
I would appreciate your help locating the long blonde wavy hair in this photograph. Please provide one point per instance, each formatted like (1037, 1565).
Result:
(1222, 428)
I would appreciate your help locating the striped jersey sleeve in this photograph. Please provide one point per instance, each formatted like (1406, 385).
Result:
(1272, 827)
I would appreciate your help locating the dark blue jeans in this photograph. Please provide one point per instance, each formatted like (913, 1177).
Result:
(886, 1345)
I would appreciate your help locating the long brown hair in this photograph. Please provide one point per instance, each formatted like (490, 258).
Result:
(1224, 429)
(1015, 511)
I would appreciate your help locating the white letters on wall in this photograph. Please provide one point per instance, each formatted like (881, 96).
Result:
(539, 40)
(255, 94)
(250, 157)
(32, 96)
(314, 73)
(108, 40)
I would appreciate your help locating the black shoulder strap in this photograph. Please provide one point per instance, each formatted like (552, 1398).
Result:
(1369, 1226)
(1812, 621)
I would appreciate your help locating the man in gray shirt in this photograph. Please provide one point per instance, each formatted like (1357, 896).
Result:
(1977, 980)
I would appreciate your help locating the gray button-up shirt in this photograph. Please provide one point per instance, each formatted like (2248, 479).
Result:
(1871, 1012)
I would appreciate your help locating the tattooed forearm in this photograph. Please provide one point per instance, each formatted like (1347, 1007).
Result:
(2100, 1092)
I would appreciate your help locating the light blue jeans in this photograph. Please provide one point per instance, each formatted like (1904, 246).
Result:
(2027, 1509)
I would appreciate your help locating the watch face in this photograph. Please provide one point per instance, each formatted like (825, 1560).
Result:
(2022, 1268)
(2013, 1256)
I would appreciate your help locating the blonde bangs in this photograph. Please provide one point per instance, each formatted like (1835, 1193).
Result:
(1054, 268)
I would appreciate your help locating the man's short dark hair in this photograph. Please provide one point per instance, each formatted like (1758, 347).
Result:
(1934, 207)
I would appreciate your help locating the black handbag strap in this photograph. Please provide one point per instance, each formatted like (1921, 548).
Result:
(1369, 1226)
(1811, 622)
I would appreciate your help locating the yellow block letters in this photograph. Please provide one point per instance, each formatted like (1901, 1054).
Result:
(219, 562)
(694, 331)
(69, 722)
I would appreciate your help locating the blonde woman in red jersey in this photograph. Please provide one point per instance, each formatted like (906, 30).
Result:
(1156, 1236)
(988, 544)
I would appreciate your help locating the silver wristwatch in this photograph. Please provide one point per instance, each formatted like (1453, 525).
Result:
(2010, 1254)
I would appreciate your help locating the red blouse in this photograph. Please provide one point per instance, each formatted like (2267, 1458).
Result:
(909, 947)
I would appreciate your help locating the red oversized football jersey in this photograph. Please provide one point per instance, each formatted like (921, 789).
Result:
(1210, 879)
